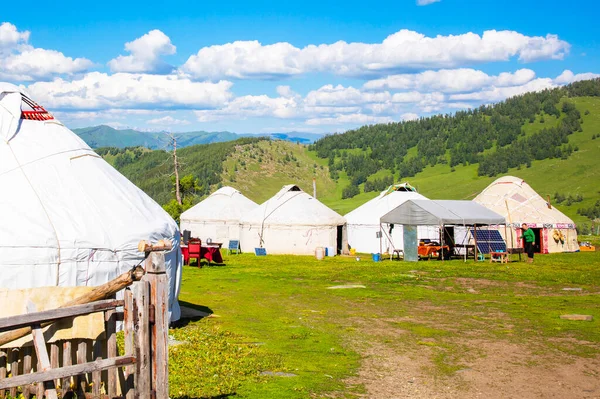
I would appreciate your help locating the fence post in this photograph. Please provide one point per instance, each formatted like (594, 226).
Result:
(141, 339)
(156, 275)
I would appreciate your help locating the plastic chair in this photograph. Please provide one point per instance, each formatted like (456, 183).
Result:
(234, 245)
(194, 247)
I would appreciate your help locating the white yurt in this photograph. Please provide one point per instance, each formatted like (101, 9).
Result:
(68, 217)
(366, 234)
(292, 222)
(514, 199)
(218, 216)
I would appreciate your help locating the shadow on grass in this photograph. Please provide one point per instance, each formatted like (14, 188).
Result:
(190, 315)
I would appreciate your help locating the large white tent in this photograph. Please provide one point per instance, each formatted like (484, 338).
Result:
(439, 213)
(68, 217)
(292, 222)
(364, 227)
(513, 198)
(218, 216)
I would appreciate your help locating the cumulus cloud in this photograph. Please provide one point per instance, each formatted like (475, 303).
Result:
(251, 106)
(354, 119)
(426, 2)
(145, 54)
(450, 80)
(496, 94)
(569, 77)
(404, 50)
(168, 121)
(19, 61)
(123, 90)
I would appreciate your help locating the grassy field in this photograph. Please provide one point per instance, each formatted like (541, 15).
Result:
(277, 330)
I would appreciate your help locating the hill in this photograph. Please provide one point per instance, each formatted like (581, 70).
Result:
(106, 136)
(260, 167)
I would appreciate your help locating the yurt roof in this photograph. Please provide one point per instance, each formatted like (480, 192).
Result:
(292, 206)
(61, 197)
(225, 204)
(370, 212)
(513, 198)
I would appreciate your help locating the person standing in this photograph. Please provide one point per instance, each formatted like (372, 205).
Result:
(529, 238)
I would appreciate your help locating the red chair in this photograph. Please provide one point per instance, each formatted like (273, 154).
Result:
(194, 248)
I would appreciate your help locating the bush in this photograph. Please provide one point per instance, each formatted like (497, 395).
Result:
(350, 191)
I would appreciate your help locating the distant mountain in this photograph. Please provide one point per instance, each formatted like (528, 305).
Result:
(106, 136)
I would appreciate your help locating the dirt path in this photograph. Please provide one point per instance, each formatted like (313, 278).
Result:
(489, 369)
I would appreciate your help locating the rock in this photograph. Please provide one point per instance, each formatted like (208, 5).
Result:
(341, 287)
(578, 317)
(278, 374)
(572, 289)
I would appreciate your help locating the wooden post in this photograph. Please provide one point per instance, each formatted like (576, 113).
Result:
(14, 368)
(81, 380)
(159, 302)
(128, 386)
(27, 365)
(42, 355)
(65, 384)
(3, 363)
(111, 351)
(141, 339)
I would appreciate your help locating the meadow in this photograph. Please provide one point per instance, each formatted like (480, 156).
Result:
(297, 327)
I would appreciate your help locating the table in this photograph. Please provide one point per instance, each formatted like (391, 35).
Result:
(427, 251)
(210, 252)
(501, 257)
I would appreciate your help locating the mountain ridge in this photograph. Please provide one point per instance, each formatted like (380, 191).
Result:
(106, 136)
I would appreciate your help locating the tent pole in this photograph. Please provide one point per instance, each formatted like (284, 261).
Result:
(475, 240)
(442, 241)
(380, 236)
(512, 241)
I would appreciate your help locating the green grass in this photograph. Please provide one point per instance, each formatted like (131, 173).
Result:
(276, 314)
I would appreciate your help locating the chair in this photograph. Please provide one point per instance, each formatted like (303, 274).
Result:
(194, 247)
(234, 245)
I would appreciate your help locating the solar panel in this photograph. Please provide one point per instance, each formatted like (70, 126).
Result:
(489, 241)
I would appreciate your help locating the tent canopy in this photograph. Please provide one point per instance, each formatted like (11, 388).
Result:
(441, 212)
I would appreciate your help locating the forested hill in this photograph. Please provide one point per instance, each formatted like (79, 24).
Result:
(495, 137)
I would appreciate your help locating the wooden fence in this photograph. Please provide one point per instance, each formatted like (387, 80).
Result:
(93, 368)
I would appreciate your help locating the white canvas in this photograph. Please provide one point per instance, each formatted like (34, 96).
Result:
(290, 222)
(514, 199)
(68, 217)
(218, 216)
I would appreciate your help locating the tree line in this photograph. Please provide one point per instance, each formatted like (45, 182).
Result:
(491, 136)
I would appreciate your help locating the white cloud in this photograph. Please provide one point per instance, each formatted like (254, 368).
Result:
(409, 116)
(496, 94)
(10, 37)
(354, 119)
(426, 2)
(569, 77)
(404, 50)
(145, 54)
(339, 95)
(122, 90)
(251, 106)
(19, 61)
(450, 80)
(168, 121)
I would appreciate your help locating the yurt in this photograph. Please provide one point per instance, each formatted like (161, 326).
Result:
(514, 199)
(292, 222)
(366, 234)
(68, 217)
(218, 216)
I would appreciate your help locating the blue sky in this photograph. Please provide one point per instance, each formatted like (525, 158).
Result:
(309, 66)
